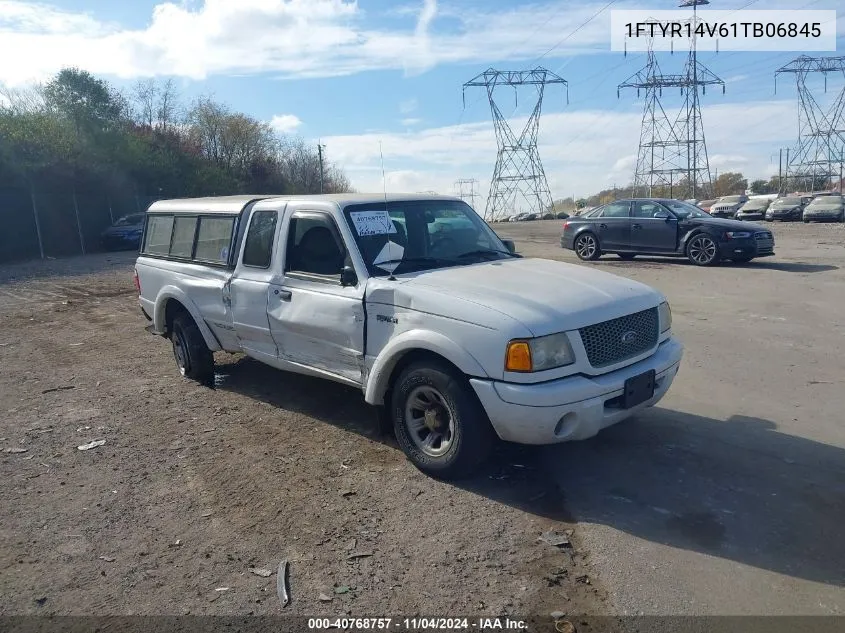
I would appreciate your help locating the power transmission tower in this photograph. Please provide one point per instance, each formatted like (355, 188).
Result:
(818, 155)
(518, 176)
(672, 157)
(465, 190)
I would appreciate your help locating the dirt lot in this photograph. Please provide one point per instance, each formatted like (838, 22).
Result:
(194, 487)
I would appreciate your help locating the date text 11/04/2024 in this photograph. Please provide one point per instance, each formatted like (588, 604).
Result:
(724, 29)
(418, 624)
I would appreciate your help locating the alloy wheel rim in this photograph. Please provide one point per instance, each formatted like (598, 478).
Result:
(702, 250)
(430, 421)
(586, 246)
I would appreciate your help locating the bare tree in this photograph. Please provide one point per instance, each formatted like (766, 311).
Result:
(145, 93)
(22, 100)
(168, 105)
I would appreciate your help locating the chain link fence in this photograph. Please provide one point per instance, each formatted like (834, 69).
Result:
(41, 224)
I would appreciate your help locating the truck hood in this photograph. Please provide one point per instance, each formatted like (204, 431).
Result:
(544, 296)
(732, 225)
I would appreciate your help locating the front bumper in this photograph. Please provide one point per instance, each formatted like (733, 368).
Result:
(827, 217)
(749, 216)
(783, 215)
(572, 408)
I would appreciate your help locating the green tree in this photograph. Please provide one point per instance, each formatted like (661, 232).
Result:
(730, 183)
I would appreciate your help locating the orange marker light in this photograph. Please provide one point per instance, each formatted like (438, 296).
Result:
(518, 357)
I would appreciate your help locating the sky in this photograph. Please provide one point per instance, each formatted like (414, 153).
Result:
(379, 82)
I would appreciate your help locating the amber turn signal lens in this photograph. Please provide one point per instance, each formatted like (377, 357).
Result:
(518, 357)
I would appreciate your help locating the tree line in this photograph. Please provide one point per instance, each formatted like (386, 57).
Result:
(78, 131)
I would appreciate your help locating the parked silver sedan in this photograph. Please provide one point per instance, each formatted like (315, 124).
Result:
(825, 208)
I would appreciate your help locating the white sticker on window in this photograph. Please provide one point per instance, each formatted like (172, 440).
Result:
(372, 223)
(390, 257)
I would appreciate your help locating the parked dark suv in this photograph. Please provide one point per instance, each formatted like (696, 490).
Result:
(651, 226)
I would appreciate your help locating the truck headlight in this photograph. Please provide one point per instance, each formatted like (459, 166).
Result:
(664, 314)
(538, 354)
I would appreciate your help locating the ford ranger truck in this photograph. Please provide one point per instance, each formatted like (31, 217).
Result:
(414, 300)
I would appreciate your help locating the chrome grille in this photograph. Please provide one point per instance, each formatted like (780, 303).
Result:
(616, 340)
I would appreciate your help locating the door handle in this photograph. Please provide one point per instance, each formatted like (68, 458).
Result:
(636, 226)
(284, 295)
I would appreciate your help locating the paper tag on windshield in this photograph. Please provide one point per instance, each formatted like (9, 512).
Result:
(393, 253)
(372, 223)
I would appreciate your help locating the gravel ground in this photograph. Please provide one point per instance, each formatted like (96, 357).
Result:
(727, 498)
(195, 487)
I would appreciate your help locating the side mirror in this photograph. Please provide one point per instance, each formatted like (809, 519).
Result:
(348, 277)
(510, 245)
(662, 215)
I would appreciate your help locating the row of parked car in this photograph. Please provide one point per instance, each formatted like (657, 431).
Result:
(824, 206)
(528, 217)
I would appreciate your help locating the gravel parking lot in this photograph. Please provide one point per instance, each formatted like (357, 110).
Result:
(727, 498)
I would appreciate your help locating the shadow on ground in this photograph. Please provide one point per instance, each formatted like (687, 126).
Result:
(766, 264)
(737, 489)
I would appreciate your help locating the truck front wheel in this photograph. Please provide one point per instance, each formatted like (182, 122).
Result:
(194, 359)
(438, 421)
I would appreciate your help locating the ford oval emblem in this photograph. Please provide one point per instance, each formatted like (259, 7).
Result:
(629, 337)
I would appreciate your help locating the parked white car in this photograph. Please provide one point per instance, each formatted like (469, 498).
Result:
(417, 302)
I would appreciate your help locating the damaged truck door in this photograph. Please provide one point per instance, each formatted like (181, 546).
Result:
(316, 313)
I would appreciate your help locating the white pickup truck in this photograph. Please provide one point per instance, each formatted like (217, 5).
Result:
(417, 302)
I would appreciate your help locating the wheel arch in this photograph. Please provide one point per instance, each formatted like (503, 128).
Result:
(172, 301)
(411, 347)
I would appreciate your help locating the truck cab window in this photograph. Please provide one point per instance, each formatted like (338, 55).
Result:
(213, 239)
(159, 230)
(313, 246)
(258, 248)
(183, 237)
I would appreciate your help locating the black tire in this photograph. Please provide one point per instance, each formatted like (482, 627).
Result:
(806, 221)
(702, 250)
(193, 358)
(627, 256)
(582, 247)
(470, 436)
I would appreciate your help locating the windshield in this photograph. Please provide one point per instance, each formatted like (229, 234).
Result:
(787, 202)
(130, 220)
(684, 210)
(730, 200)
(826, 201)
(754, 205)
(420, 235)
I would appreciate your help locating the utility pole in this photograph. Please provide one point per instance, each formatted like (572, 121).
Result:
(673, 148)
(518, 173)
(780, 171)
(821, 134)
(465, 189)
(320, 154)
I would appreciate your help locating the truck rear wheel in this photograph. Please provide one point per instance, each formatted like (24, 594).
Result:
(193, 358)
(438, 421)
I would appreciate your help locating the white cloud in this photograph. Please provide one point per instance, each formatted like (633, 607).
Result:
(408, 106)
(285, 123)
(582, 151)
(195, 40)
(410, 122)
